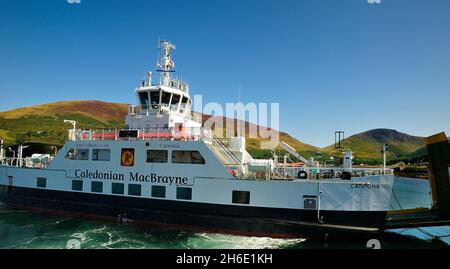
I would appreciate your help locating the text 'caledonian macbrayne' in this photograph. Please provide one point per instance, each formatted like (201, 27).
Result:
(132, 176)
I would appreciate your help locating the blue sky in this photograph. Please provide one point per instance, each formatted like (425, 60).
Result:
(332, 65)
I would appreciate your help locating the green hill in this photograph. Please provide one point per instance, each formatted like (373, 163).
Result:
(45, 123)
(367, 146)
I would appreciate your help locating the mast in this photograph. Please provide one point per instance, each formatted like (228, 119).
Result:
(165, 63)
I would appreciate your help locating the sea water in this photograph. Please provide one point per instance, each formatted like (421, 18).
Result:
(24, 230)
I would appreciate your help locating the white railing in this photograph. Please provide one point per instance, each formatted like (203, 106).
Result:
(10, 161)
(155, 109)
(184, 134)
(242, 171)
(27, 162)
(329, 172)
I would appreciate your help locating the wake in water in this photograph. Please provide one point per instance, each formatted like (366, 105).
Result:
(221, 241)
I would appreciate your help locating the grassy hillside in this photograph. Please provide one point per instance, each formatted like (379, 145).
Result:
(45, 123)
(367, 146)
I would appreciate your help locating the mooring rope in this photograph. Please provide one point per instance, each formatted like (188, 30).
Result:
(417, 227)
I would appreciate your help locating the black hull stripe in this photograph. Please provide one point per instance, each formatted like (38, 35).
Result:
(232, 218)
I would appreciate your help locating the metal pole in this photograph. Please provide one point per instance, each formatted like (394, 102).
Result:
(384, 162)
(19, 156)
(1, 151)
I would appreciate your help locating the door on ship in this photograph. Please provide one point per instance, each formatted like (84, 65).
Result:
(9, 186)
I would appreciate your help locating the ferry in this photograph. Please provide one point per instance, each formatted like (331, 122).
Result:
(165, 169)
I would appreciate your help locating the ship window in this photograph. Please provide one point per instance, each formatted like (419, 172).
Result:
(157, 156)
(175, 99)
(143, 99)
(159, 191)
(41, 182)
(154, 98)
(77, 154)
(117, 188)
(184, 103)
(134, 189)
(97, 186)
(187, 156)
(165, 98)
(77, 185)
(241, 197)
(70, 155)
(101, 154)
(184, 193)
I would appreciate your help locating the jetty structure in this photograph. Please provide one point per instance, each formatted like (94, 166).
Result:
(166, 169)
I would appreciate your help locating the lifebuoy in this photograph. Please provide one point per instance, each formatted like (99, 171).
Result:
(302, 175)
(346, 176)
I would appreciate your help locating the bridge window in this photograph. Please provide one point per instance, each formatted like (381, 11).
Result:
(165, 98)
(144, 99)
(157, 156)
(134, 189)
(101, 154)
(187, 156)
(184, 193)
(184, 103)
(159, 191)
(241, 197)
(77, 185)
(154, 98)
(97, 186)
(117, 188)
(41, 182)
(175, 99)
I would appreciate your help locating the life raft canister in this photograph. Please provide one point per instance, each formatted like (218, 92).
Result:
(232, 172)
(302, 175)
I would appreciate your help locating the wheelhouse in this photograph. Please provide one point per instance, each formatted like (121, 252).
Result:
(159, 98)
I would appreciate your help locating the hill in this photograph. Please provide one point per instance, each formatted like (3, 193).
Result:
(367, 146)
(45, 123)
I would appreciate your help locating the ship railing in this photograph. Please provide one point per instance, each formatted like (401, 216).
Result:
(27, 162)
(154, 109)
(328, 172)
(243, 171)
(8, 161)
(183, 134)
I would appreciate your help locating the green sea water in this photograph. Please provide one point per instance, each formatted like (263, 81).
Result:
(28, 230)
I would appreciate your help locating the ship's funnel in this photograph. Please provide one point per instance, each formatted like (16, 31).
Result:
(439, 155)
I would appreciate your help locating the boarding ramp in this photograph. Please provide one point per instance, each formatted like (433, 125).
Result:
(438, 149)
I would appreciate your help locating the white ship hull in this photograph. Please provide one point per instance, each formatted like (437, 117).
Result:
(281, 207)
